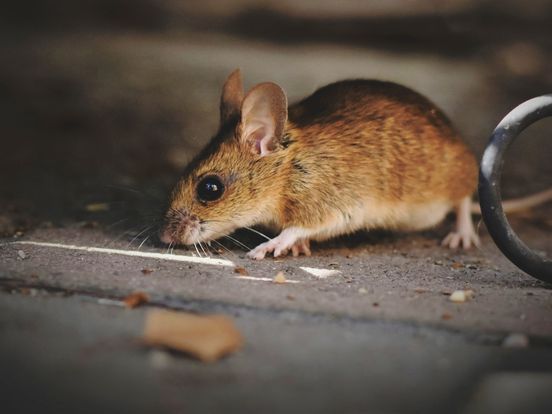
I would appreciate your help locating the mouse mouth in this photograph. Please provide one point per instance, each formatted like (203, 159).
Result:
(181, 227)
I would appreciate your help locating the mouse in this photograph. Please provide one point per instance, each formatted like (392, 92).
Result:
(354, 155)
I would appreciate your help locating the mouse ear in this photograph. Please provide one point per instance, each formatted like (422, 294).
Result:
(263, 117)
(232, 97)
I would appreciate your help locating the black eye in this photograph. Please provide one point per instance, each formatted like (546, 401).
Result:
(210, 188)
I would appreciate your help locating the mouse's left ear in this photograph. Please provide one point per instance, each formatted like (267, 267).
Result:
(232, 97)
(263, 117)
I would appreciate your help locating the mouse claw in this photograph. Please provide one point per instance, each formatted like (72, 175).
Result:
(464, 236)
(463, 240)
(301, 246)
(258, 253)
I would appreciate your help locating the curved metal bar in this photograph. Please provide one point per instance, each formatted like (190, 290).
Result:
(489, 187)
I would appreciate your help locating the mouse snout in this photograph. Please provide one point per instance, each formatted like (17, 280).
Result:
(180, 227)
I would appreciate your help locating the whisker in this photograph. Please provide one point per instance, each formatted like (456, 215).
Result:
(169, 247)
(139, 234)
(201, 247)
(257, 232)
(195, 245)
(110, 226)
(119, 237)
(134, 190)
(222, 246)
(237, 242)
(143, 241)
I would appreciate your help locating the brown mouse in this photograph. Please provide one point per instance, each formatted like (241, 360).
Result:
(356, 154)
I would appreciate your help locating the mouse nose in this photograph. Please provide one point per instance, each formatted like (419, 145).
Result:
(180, 227)
(165, 235)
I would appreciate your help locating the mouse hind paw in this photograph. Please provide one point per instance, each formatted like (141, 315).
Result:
(301, 246)
(464, 240)
(464, 235)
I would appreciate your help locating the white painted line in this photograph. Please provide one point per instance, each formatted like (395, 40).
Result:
(320, 273)
(135, 253)
(263, 279)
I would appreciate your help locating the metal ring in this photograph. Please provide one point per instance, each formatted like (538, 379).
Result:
(490, 200)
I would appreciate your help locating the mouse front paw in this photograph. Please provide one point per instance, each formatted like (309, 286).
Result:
(274, 245)
(280, 246)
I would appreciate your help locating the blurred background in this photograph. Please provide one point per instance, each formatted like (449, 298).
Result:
(105, 101)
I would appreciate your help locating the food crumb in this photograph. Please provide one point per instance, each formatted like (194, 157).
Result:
(461, 296)
(135, 299)
(207, 338)
(96, 207)
(279, 278)
(241, 270)
(457, 265)
(147, 271)
(21, 254)
(363, 291)
(446, 316)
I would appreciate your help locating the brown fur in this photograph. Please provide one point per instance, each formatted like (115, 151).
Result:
(351, 140)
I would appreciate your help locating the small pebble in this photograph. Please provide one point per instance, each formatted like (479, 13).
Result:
(96, 207)
(279, 278)
(21, 254)
(516, 340)
(461, 296)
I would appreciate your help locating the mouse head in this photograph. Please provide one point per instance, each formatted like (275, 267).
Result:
(235, 180)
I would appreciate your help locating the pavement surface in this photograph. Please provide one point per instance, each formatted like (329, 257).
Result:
(364, 325)
(104, 103)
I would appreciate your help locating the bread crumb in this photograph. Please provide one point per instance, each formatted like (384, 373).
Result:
(279, 278)
(206, 338)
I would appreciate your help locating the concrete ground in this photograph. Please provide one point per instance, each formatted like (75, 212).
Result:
(102, 108)
(364, 325)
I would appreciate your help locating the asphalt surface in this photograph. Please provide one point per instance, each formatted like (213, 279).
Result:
(364, 325)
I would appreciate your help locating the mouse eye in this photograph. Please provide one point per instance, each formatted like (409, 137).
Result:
(210, 188)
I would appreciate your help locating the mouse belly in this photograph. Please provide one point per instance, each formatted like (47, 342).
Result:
(370, 215)
(398, 216)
